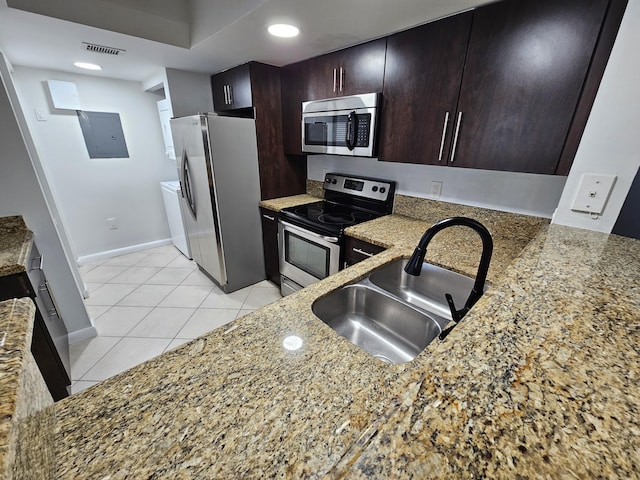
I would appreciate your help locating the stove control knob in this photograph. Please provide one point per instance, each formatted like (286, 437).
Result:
(328, 180)
(334, 181)
(374, 188)
(382, 189)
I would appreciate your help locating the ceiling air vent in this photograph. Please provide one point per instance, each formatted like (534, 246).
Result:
(92, 47)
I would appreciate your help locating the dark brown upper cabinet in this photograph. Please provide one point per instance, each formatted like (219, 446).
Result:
(494, 89)
(526, 64)
(232, 89)
(351, 71)
(354, 70)
(261, 99)
(422, 80)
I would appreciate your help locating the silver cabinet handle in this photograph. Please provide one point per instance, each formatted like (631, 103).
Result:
(444, 135)
(335, 80)
(341, 77)
(362, 252)
(455, 138)
(37, 263)
(268, 217)
(48, 298)
(226, 99)
(230, 90)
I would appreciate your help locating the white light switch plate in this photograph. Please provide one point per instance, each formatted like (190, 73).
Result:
(593, 193)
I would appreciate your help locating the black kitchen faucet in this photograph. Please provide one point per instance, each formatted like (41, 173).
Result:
(414, 265)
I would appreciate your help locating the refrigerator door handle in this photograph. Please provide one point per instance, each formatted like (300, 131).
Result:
(187, 193)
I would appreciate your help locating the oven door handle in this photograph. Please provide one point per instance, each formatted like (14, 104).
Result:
(321, 237)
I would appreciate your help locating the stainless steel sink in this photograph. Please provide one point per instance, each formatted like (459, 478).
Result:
(381, 325)
(426, 291)
(393, 315)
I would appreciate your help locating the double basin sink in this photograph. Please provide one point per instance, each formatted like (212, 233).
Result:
(393, 315)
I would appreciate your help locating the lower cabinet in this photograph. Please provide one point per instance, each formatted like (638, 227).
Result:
(270, 244)
(357, 250)
(49, 343)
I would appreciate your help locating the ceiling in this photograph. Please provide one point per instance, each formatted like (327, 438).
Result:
(198, 35)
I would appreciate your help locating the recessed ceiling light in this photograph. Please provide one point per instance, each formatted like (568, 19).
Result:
(88, 66)
(283, 30)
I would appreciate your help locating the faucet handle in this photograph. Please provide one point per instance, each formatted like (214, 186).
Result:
(456, 314)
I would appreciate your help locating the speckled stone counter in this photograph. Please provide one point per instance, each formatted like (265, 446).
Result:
(278, 204)
(15, 245)
(540, 380)
(25, 432)
(456, 248)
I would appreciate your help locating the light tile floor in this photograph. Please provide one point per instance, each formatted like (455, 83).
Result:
(146, 303)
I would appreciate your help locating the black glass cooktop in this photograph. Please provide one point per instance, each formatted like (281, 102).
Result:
(326, 217)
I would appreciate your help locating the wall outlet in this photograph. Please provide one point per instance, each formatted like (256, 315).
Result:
(593, 193)
(436, 189)
(40, 115)
(112, 223)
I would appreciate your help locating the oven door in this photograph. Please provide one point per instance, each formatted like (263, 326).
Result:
(305, 256)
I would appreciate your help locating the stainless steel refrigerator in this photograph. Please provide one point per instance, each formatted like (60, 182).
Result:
(218, 169)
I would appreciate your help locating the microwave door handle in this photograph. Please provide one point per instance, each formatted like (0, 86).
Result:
(352, 128)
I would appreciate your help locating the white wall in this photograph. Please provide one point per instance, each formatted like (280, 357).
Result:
(611, 141)
(88, 191)
(507, 191)
(22, 193)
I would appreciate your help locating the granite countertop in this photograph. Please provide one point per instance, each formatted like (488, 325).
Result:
(15, 245)
(278, 204)
(16, 326)
(456, 248)
(541, 379)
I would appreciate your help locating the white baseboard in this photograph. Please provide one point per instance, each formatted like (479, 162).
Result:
(121, 251)
(83, 334)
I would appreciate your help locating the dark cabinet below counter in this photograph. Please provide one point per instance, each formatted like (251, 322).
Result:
(356, 250)
(49, 345)
(270, 244)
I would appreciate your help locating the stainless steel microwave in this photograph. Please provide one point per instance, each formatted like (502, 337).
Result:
(341, 126)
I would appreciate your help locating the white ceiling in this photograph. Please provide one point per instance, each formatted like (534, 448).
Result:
(220, 33)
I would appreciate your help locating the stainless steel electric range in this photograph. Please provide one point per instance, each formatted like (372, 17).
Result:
(311, 236)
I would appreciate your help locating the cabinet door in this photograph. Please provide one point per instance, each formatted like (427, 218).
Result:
(356, 250)
(219, 84)
(526, 63)
(232, 89)
(270, 244)
(351, 71)
(165, 114)
(421, 84)
(362, 68)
